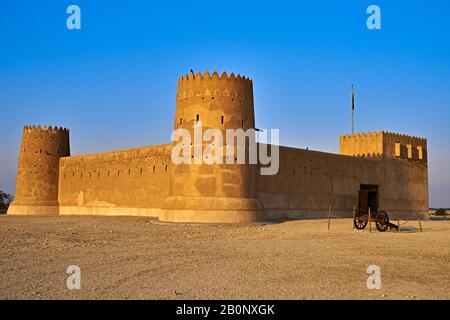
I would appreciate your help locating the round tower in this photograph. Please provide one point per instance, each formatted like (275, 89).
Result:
(38, 172)
(202, 192)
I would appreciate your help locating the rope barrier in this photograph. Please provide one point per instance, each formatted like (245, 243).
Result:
(366, 217)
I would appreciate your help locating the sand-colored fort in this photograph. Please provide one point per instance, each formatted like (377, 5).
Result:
(382, 170)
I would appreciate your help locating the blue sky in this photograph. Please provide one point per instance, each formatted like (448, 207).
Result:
(113, 82)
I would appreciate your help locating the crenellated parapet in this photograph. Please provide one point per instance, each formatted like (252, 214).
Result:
(191, 81)
(362, 144)
(384, 143)
(44, 128)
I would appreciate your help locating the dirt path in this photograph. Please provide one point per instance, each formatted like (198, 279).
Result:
(141, 258)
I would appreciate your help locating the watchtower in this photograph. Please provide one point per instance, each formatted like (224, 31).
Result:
(38, 170)
(213, 192)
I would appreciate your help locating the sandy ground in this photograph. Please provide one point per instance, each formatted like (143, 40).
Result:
(141, 258)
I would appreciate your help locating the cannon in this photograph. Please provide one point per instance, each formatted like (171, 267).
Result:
(381, 219)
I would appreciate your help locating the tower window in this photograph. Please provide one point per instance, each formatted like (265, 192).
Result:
(420, 152)
(221, 120)
(197, 117)
(181, 121)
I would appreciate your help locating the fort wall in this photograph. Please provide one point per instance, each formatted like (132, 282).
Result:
(404, 187)
(309, 182)
(133, 181)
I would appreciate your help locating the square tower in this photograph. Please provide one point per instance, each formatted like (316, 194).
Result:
(383, 143)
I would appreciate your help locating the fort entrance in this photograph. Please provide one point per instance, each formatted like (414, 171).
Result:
(368, 197)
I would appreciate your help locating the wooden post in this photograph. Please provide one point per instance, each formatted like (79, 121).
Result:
(354, 212)
(398, 221)
(420, 224)
(329, 216)
(370, 221)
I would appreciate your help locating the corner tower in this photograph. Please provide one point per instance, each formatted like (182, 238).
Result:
(38, 171)
(213, 192)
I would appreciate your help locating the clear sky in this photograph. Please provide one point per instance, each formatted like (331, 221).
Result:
(113, 82)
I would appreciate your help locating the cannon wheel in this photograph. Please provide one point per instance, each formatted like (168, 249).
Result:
(382, 221)
(360, 222)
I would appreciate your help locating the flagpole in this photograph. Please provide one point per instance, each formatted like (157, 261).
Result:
(353, 110)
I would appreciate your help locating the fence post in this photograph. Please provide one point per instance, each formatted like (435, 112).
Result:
(370, 221)
(418, 218)
(354, 212)
(329, 216)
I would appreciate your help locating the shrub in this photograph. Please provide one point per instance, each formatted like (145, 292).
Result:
(440, 212)
(5, 200)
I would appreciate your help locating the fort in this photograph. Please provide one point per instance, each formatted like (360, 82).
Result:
(380, 170)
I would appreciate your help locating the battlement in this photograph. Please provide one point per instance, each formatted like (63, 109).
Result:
(206, 85)
(384, 143)
(199, 77)
(393, 136)
(44, 128)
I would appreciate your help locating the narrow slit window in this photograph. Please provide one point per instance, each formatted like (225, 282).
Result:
(197, 117)
(221, 120)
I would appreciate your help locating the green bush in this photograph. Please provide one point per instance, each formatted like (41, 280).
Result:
(5, 200)
(440, 212)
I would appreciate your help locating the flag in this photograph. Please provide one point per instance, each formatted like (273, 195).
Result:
(353, 98)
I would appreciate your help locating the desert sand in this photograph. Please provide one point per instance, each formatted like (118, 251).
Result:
(142, 258)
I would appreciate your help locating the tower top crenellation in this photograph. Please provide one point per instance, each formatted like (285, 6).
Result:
(206, 76)
(44, 128)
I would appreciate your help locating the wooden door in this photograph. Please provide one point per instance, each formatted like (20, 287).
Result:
(363, 200)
